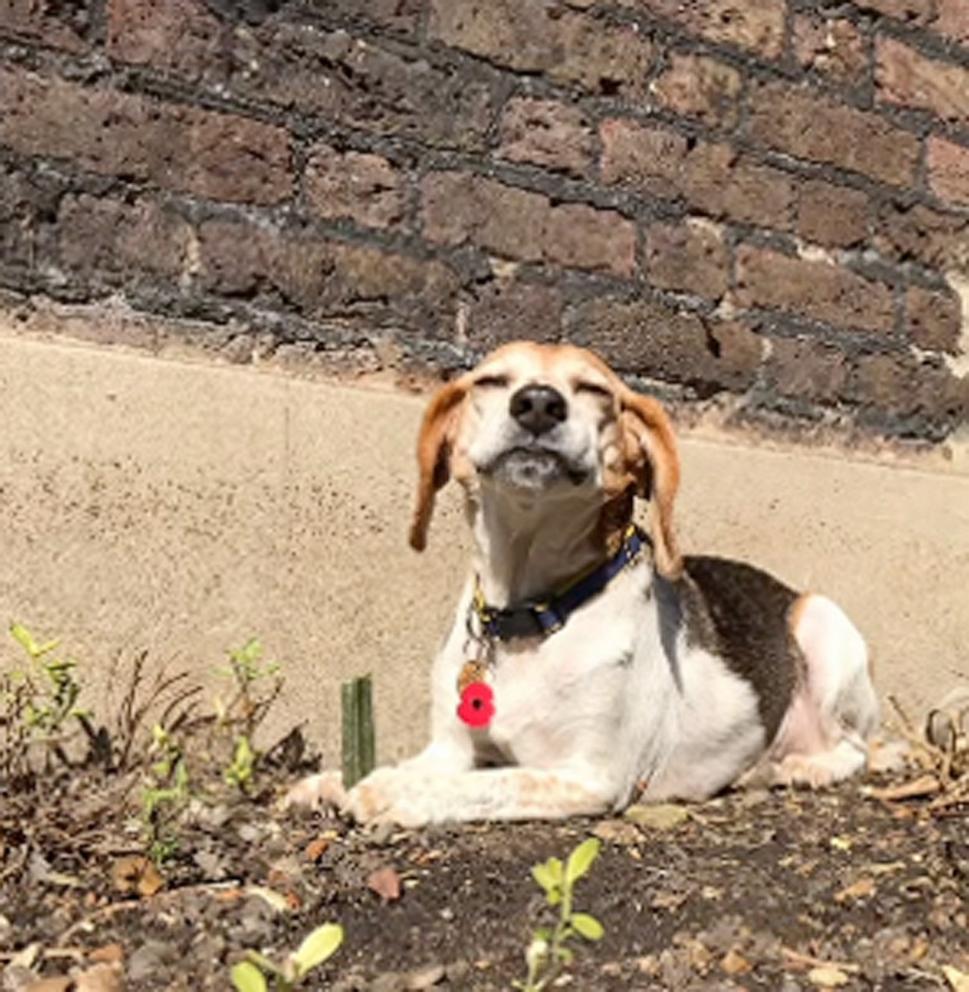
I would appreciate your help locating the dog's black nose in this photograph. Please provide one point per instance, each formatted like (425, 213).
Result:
(538, 408)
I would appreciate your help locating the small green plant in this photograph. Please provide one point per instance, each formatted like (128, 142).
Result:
(255, 686)
(356, 698)
(251, 975)
(165, 795)
(547, 953)
(38, 702)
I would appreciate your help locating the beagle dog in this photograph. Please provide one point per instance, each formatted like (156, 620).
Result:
(589, 663)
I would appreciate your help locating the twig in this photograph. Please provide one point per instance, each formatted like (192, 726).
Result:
(808, 961)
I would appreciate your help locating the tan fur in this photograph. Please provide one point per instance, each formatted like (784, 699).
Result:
(595, 713)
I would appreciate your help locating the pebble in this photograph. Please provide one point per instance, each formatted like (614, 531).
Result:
(151, 958)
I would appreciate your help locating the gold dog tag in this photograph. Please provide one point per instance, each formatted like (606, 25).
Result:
(473, 671)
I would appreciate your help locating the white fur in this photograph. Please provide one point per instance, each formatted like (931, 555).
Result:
(616, 704)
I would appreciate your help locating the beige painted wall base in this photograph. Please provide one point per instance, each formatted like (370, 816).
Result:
(182, 507)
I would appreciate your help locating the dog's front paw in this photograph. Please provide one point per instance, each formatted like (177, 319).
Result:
(314, 791)
(386, 795)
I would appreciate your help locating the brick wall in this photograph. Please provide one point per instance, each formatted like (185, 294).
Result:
(763, 206)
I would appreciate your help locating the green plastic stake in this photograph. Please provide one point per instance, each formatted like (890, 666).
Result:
(356, 697)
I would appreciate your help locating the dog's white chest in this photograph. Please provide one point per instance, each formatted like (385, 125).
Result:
(552, 697)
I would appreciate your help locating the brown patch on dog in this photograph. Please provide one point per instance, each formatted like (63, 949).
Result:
(434, 445)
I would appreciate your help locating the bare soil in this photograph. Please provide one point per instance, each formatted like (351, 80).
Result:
(757, 890)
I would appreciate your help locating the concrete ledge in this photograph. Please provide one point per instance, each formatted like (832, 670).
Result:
(182, 507)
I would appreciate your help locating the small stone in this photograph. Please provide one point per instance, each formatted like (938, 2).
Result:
(424, 978)
(827, 977)
(663, 816)
(151, 958)
(617, 832)
(389, 981)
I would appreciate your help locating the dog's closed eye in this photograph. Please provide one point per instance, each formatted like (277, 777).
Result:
(593, 389)
(491, 381)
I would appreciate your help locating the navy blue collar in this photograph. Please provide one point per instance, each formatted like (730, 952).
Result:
(545, 617)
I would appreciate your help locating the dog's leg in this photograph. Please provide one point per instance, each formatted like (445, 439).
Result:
(412, 797)
(825, 732)
(447, 754)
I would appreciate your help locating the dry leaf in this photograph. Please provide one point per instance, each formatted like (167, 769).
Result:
(734, 963)
(269, 896)
(386, 883)
(109, 954)
(927, 785)
(959, 980)
(662, 816)
(61, 983)
(862, 889)
(316, 848)
(827, 977)
(668, 900)
(840, 843)
(136, 873)
(100, 978)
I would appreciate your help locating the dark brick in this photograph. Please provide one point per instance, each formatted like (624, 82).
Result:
(117, 243)
(758, 26)
(46, 22)
(464, 209)
(28, 205)
(648, 158)
(566, 45)
(832, 46)
(918, 233)
(948, 166)
(690, 257)
(809, 125)
(324, 278)
(362, 187)
(908, 77)
(178, 36)
(952, 20)
(216, 155)
(831, 215)
(399, 16)
(307, 68)
(721, 182)
(547, 133)
(910, 11)
(712, 177)
(701, 87)
(651, 340)
(934, 319)
(507, 310)
(582, 237)
(927, 396)
(459, 208)
(806, 369)
(812, 288)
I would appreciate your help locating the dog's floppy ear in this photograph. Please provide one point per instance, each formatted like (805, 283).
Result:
(433, 455)
(651, 456)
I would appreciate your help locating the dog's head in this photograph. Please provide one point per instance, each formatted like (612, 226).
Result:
(545, 422)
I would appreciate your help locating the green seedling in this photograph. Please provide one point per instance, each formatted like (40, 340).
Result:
(41, 697)
(165, 795)
(251, 975)
(548, 952)
(255, 684)
(356, 698)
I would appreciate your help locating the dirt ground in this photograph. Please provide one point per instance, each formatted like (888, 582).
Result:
(755, 890)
